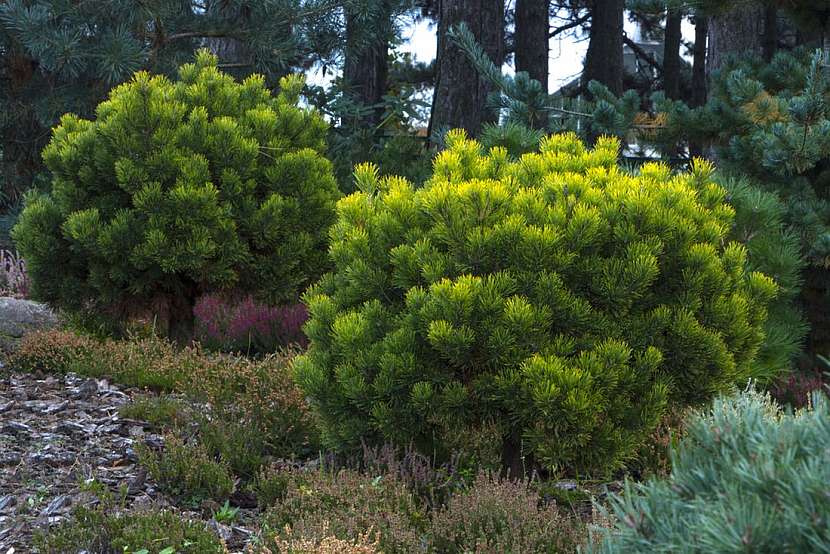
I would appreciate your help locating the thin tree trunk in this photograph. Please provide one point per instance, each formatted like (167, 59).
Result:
(699, 72)
(460, 96)
(671, 53)
(604, 61)
(700, 83)
(366, 67)
(770, 32)
(532, 27)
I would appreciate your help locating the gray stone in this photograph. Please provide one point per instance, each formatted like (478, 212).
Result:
(19, 317)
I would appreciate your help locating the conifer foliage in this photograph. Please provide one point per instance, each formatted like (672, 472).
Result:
(178, 188)
(556, 297)
(746, 478)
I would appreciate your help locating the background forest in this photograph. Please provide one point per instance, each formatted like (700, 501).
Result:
(364, 302)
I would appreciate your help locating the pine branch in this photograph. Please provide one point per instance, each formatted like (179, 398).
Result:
(649, 59)
(567, 27)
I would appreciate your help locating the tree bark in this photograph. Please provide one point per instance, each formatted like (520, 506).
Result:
(180, 321)
(700, 83)
(671, 53)
(230, 51)
(366, 66)
(770, 32)
(604, 61)
(460, 96)
(532, 27)
(736, 33)
(514, 465)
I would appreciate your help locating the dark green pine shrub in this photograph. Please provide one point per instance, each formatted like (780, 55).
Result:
(556, 297)
(178, 188)
(746, 478)
(774, 249)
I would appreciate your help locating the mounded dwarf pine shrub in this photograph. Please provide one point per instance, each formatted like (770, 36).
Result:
(556, 296)
(746, 478)
(179, 188)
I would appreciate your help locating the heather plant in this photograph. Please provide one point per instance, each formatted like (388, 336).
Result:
(162, 412)
(556, 297)
(54, 351)
(246, 325)
(364, 543)
(345, 505)
(796, 389)
(256, 410)
(187, 471)
(746, 477)
(432, 483)
(181, 188)
(14, 280)
(496, 515)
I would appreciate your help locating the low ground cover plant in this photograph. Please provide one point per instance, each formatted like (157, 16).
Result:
(497, 515)
(178, 188)
(104, 525)
(556, 297)
(489, 515)
(245, 410)
(187, 471)
(150, 363)
(747, 477)
(345, 504)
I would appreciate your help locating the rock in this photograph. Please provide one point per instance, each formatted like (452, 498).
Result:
(9, 459)
(86, 389)
(58, 505)
(18, 317)
(136, 484)
(155, 442)
(223, 531)
(71, 427)
(7, 503)
(16, 428)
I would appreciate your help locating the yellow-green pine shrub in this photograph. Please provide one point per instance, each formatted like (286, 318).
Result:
(556, 296)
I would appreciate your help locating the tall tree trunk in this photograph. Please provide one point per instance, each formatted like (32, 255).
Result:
(231, 51)
(699, 72)
(770, 32)
(366, 66)
(532, 27)
(700, 83)
(460, 96)
(738, 32)
(671, 53)
(604, 61)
